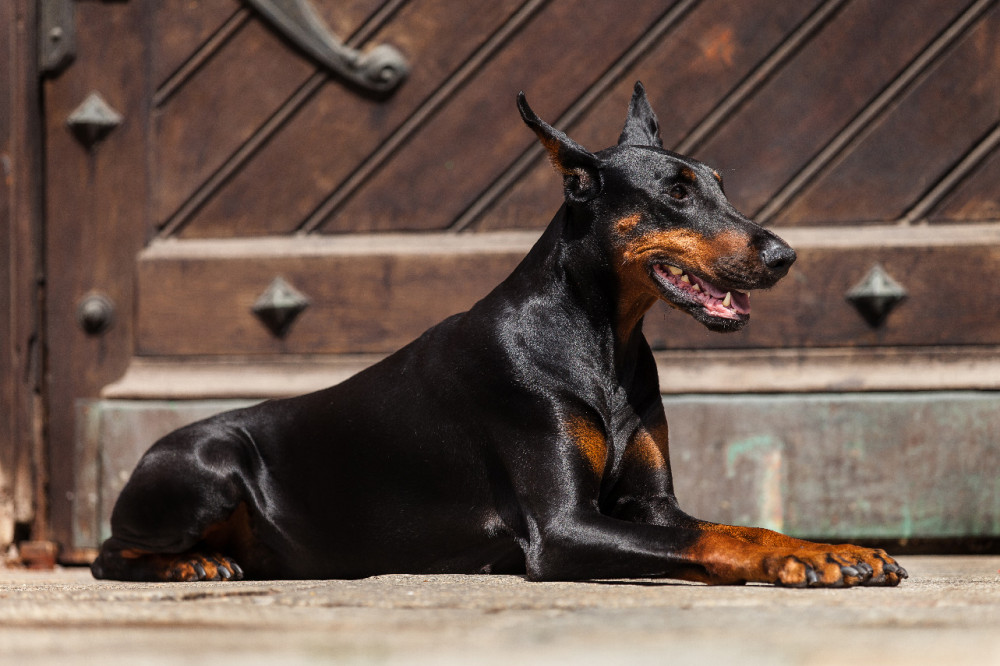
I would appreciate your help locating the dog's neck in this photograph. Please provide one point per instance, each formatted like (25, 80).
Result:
(570, 263)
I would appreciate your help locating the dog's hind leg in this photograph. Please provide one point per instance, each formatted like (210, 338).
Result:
(183, 514)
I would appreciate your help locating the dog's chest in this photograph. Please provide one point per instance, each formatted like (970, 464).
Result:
(622, 422)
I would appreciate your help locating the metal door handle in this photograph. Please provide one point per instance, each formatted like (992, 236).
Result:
(380, 69)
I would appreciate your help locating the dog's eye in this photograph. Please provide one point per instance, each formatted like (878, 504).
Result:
(679, 192)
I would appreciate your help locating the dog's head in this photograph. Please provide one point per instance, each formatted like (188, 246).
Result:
(664, 219)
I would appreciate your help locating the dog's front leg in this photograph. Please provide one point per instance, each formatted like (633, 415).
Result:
(582, 543)
(570, 538)
(644, 493)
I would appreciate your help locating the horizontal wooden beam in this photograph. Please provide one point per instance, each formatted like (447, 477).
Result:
(892, 235)
(681, 372)
(346, 245)
(375, 293)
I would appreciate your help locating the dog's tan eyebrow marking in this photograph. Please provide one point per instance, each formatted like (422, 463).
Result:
(689, 175)
(627, 224)
(717, 176)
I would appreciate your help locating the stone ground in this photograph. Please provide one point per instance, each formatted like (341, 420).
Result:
(948, 612)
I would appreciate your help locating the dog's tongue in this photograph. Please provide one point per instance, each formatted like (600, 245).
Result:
(741, 302)
(716, 301)
(707, 287)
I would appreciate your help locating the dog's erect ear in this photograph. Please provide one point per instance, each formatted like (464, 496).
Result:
(641, 126)
(581, 169)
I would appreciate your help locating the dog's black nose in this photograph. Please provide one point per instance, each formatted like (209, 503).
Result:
(777, 256)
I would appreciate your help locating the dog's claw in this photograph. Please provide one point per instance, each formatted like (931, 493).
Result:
(894, 568)
(893, 574)
(225, 568)
(237, 570)
(200, 567)
(818, 565)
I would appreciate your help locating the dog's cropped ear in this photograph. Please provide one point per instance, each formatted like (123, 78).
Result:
(641, 127)
(581, 169)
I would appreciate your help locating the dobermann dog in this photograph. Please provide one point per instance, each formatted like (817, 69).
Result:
(526, 435)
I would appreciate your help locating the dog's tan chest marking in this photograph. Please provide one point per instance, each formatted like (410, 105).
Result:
(589, 441)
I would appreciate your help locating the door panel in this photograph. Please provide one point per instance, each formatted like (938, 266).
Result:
(452, 159)
(918, 141)
(866, 132)
(412, 283)
(181, 27)
(217, 110)
(720, 43)
(96, 222)
(332, 135)
(847, 66)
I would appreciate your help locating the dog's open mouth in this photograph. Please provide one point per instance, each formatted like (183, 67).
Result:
(714, 301)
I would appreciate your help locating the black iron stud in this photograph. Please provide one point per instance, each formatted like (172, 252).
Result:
(876, 296)
(279, 306)
(93, 119)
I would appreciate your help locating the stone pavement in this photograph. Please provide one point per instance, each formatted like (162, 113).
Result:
(948, 612)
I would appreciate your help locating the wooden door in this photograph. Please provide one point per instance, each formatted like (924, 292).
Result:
(233, 173)
(21, 285)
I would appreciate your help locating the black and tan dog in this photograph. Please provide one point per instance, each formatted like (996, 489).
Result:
(526, 435)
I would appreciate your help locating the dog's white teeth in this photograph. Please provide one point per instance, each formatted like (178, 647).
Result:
(674, 270)
(696, 288)
(728, 300)
(685, 278)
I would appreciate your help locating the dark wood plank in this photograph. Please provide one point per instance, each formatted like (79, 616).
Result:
(10, 449)
(327, 140)
(95, 209)
(464, 147)
(374, 294)
(180, 27)
(343, 17)
(218, 109)
(23, 499)
(928, 132)
(975, 199)
(690, 70)
(804, 105)
(808, 308)
(681, 371)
